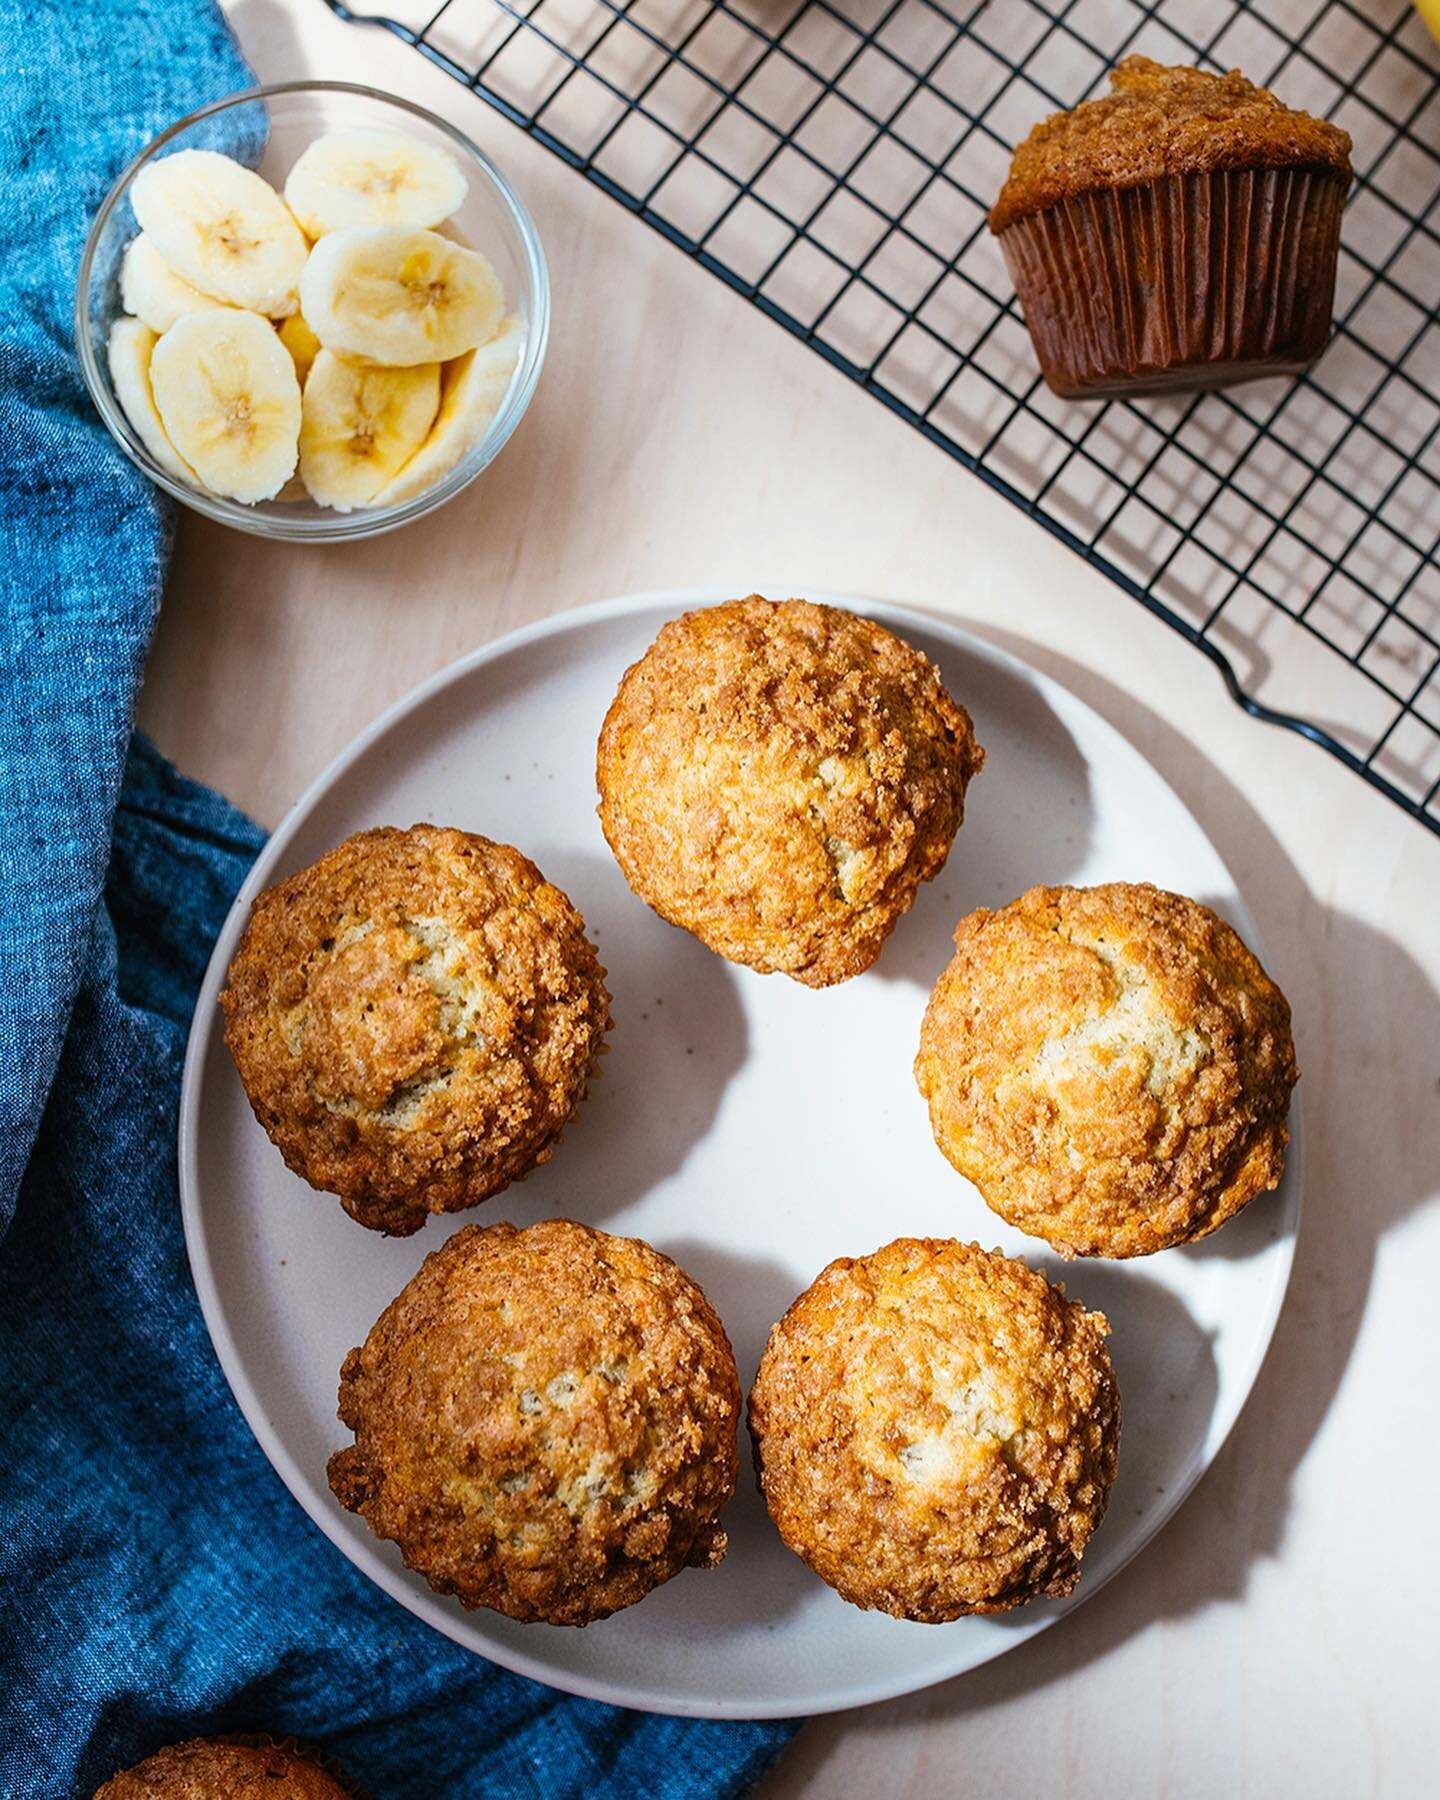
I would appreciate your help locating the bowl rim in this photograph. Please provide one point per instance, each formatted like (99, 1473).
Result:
(341, 527)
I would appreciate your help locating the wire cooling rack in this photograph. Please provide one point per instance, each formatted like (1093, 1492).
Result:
(834, 160)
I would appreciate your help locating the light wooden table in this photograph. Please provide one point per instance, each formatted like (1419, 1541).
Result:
(1277, 1638)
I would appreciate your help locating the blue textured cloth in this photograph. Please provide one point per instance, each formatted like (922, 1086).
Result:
(156, 1580)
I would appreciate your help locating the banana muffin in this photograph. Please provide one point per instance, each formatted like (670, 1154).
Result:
(1110, 1066)
(544, 1422)
(415, 1018)
(210, 1769)
(936, 1430)
(1181, 231)
(778, 778)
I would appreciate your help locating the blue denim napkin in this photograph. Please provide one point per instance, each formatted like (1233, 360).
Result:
(156, 1580)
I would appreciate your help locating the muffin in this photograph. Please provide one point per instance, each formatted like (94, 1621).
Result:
(544, 1422)
(936, 1430)
(1110, 1066)
(1180, 232)
(778, 778)
(414, 1019)
(216, 1769)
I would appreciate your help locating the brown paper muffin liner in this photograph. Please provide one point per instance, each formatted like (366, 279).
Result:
(1188, 282)
(291, 1746)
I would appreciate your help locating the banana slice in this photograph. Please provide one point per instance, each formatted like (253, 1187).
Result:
(301, 342)
(471, 390)
(130, 347)
(226, 391)
(223, 229)
(152, 291)
(372, 178)
(360, 425)
(399, 297)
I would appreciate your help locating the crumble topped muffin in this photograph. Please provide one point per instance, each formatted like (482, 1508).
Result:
(778, 778)
(1156, 122)
(1181, 232)
(544, 1422)
(216, 1769)
(1110, 1066)
(936, 1430)
(415, 1018)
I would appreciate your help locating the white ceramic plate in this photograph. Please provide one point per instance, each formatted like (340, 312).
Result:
(749, 1127)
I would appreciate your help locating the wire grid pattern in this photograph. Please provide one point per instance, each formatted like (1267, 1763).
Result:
(834, 161)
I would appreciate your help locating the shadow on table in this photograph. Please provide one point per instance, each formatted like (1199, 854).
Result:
(1362, 992)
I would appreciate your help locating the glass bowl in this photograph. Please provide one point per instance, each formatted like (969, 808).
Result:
(267, 128)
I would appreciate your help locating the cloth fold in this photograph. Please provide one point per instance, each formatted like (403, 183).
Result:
(156, 1580)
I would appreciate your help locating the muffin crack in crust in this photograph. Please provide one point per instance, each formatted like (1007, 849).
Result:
(415, 1018)
(936, 1429)
(458, 1019)
(544, 1422)
(1110, 1066)
(1168, 1054)
(778, 778)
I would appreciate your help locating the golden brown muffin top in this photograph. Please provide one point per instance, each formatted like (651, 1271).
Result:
(204, 1769)
(1110, 1066)
(1160, 121)
(414, 1018)
(544, 1422)
(936, 1428)
(778, 777)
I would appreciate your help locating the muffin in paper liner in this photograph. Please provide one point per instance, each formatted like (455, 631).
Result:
(1191, 281)
(1181, 231)
(297, 1747)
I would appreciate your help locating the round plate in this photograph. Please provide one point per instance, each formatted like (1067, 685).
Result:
(749, 1127)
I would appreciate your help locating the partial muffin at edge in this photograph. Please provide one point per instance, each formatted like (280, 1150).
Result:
(545, 1422)
(217, 1769)
(936, 1430)
(415, 1018)
(1110, 1066)
(778, 778)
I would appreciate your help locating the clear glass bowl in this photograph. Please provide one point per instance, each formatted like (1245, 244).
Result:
(268, 128)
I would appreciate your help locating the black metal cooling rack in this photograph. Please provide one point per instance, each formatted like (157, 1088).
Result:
(834, 160)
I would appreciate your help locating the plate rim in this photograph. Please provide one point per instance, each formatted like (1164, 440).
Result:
(432, 1609)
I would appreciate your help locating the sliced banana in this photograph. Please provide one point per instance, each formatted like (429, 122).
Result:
(152, 291)
(227, 394)
(360, 425)
(471, 390)
(399, 297)
(301, 342)
(372, 178)
(222, 228)
(131, 345)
